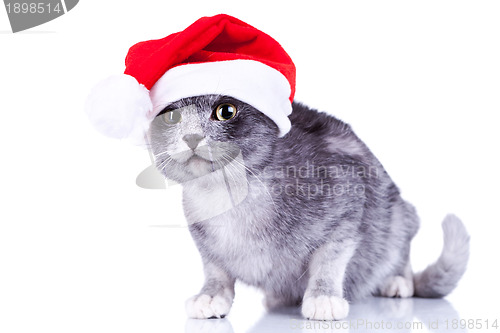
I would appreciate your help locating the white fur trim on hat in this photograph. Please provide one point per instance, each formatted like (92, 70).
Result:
(120, 107)
(252, 82)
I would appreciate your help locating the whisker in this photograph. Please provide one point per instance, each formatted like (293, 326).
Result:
(230, 168)
(164, 164)
(162, 153)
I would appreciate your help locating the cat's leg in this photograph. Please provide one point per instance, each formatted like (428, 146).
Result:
(216, 296)
(400, 285)
(324, 295)
(405, 224)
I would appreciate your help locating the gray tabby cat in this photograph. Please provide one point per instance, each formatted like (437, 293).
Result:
(316, 221)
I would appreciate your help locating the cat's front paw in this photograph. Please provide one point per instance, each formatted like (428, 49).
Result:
(205, 306)
(325, 308)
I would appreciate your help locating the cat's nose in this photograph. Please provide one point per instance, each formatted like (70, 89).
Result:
(192, 140)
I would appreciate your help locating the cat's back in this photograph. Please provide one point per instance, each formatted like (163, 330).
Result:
(324, 140)
(307, 120)
(322, 166)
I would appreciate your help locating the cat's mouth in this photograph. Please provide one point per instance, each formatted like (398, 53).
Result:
(197, 159)
(219, 154)
(199, 165)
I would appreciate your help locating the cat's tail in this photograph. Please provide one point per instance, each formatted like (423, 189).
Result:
(440, 278)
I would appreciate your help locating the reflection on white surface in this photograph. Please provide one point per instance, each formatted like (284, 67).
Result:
(371, 315)
(209, 326)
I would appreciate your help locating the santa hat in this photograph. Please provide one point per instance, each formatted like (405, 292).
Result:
(214, 55)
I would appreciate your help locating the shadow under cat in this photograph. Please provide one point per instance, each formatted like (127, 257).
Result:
(372, 314)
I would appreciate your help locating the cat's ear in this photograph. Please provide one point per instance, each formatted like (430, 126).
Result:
(120, 107)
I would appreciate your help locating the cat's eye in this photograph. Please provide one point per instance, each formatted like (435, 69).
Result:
(225, 111)
(172, 117)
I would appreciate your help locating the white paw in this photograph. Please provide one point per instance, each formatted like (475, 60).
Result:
(398, 286)
(325, 308)
(205, 306)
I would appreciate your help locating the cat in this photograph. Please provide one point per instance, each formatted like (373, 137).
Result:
(310, 218)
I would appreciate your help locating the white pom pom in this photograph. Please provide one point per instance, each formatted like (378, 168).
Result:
(120, 107)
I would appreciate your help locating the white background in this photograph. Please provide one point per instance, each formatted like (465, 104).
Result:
(82, 248)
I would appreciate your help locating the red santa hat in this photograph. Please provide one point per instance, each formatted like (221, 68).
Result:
(214, 55)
